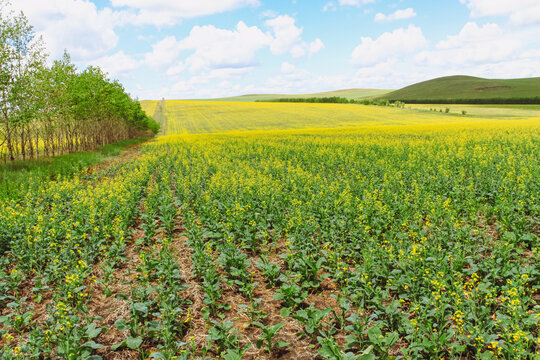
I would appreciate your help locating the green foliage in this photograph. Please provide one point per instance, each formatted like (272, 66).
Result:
(55, 110)
(21, 177)
(268, 335)
(312, 319)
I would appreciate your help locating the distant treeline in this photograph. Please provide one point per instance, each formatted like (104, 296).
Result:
(503, 101)
(54, 109)
(337, 100)
(400, 103)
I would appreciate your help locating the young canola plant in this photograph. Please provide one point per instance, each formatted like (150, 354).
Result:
(414, 242)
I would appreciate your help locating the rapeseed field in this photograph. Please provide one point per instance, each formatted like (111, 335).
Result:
(358, 233)
(194, 117)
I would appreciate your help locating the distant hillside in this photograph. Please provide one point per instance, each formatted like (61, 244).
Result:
(348, 93)
(469, 89)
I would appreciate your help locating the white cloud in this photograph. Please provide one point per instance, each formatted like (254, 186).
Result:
(218, 48)
(473, 45)
(287, 34)
(329, 6)
(269, 14)
(397, 15)
(117, 65)
(520, 12)
(164, 53)
(391, 74)
(399, 42)
(176, 69)
(209, 48)
(316, 46)
(355, 2)
(332, 6)
(171, 12)
(214, 83)
(287, 68)
(75, 25)
(288, 38)
(518, 68)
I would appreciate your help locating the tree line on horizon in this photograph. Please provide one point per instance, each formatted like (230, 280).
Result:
(402, 102)
(337, 100)
(52, 109)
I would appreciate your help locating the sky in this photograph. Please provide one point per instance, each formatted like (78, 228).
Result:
(189, 49)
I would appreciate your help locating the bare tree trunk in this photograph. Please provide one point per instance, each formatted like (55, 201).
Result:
(9, 142)
(23, 144)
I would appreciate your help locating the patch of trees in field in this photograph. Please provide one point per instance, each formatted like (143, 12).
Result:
(50, 109)
(338, 100)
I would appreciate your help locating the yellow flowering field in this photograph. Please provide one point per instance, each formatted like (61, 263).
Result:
(354, 232)
(194, 117)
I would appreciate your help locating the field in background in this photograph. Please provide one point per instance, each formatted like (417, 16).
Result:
(503, 111)
(190, 117)
(149, 106)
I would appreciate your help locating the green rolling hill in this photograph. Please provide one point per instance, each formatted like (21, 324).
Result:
(472, 89)
(347, 93)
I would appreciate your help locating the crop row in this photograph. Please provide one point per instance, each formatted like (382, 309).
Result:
(414, 242)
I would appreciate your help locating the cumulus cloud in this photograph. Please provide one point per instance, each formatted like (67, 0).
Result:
(287, 35)
(316, 46)
(211, 48)
(520, 12)
(208, 48)
(164, 53)
(288, 38)
(473, 45)
(171, 12)
(397, 15)
(118, 64)
(220, 48)
(390, 44)
(76, 25)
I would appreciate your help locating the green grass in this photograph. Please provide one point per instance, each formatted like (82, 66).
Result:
(491, 111)
(467, 87)
(347, 93)
(18, 177)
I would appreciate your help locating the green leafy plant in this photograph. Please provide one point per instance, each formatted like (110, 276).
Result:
(268, 335)
(312, 319)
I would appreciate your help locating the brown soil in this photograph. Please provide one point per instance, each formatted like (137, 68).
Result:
(130, 153)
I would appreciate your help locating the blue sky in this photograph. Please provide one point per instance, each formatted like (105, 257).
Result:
(180, 49)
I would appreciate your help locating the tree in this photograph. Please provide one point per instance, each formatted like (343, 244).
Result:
(57, 109)
(21, 57)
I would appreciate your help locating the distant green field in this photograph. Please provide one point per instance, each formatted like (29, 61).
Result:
(347, 93)
(508, 111)
(467, 87)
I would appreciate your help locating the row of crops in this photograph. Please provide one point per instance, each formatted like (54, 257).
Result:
(389, 242)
